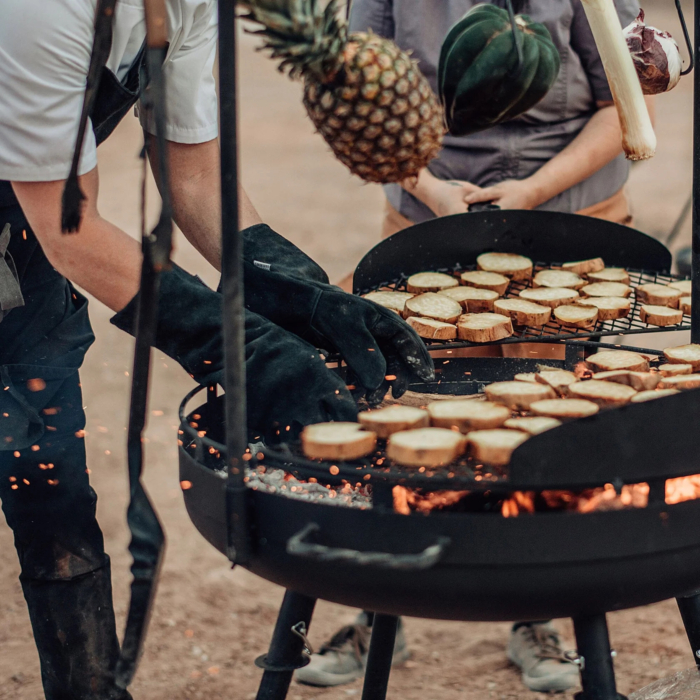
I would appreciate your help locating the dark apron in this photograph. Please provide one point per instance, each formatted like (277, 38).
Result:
(44, 326)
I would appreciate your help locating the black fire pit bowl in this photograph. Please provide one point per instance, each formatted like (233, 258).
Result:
(460, 566)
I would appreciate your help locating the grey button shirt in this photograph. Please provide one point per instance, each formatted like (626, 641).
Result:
(516, 149)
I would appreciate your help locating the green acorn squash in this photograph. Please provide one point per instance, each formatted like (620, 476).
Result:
(480, 80)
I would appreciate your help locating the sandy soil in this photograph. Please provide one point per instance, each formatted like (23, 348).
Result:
(211, 622)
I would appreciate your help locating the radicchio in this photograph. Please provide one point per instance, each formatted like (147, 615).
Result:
(656, 56)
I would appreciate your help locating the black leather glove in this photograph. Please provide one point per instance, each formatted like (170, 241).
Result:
(288, 384)
(283, 284)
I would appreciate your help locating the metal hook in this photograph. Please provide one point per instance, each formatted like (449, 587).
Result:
(691, 53)
(516, 34)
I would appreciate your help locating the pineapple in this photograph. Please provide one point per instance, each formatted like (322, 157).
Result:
(365, 96)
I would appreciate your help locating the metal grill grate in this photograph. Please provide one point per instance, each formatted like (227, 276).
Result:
(553, 331)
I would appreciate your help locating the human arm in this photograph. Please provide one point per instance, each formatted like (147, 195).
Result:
(598, 143)
(100, 258)
(195, 186)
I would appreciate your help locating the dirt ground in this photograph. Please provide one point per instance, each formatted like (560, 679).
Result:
(211, 622)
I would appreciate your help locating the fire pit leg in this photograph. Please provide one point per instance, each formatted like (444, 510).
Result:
(286, 652)
(597, 672)
(381, 652)
(690, 612)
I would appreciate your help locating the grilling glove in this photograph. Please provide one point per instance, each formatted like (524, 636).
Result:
(288, 384)
(286, 286)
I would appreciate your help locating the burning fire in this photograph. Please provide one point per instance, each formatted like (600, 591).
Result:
(407, 501)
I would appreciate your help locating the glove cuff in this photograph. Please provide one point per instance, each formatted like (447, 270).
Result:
(189, 322)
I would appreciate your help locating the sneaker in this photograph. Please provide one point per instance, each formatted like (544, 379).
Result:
(535, 648)
(343, 659)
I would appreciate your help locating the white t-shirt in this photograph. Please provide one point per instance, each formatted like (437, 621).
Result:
(45, 48)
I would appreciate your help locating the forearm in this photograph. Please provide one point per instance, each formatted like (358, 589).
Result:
(195, 184)
(599, 142)
(100, 258)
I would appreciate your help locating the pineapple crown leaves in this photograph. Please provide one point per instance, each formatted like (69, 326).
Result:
(308, 37)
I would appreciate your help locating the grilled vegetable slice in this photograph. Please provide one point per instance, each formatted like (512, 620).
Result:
(660, 315)
(639, 381)
(479, 81)
(532, 425)
(518, 395)
(337, 441)
(606, 289)
(684, 354)
(523, 312)
(432, 305)
(610, 274)
(472, 299)
(609, 308)
(683, 381)
(494, 446)
(396, 301)
(605, 394)
(617, 359)
(674, 370)
(658, 295)
(430, 282)
(486, 280)
(550, 296)
(558, 278)
(643, 396)
(393, 419)
(430, 329)
(558, 379)
(466, 415)
(425, 447)
(584, 267)
(484, 328)
(576, 316)
(564, 409)
(684, 286)
(517, 267)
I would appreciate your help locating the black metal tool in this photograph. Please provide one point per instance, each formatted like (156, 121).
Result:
(147, 536)
(232, 289)
(73, 196)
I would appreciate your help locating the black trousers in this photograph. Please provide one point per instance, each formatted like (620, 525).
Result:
(44, 484)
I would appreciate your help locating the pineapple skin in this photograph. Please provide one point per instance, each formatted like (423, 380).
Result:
(379, 114)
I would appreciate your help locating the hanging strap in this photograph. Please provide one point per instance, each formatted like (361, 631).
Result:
(10, 292)
(147, 537)
(73, 196)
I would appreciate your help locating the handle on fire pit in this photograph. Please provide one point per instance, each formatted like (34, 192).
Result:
(297, 547)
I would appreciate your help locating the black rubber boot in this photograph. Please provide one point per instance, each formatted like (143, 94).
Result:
(75, 634)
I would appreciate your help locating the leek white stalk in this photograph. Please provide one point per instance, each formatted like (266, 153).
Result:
(638, 137)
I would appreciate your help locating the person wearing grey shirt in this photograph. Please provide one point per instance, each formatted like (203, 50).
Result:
(563, 155)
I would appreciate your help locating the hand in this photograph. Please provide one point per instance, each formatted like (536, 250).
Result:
(509, 194)
(285, 286)
(445, 197)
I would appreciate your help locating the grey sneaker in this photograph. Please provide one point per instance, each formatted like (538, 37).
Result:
(536, 649)
(343, 659)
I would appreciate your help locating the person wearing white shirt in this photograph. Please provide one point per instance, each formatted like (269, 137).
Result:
(45, 51)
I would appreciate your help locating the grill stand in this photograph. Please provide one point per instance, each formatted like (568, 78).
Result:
(595, 659)
(288, 648)
(690, 612)
(381, 653)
